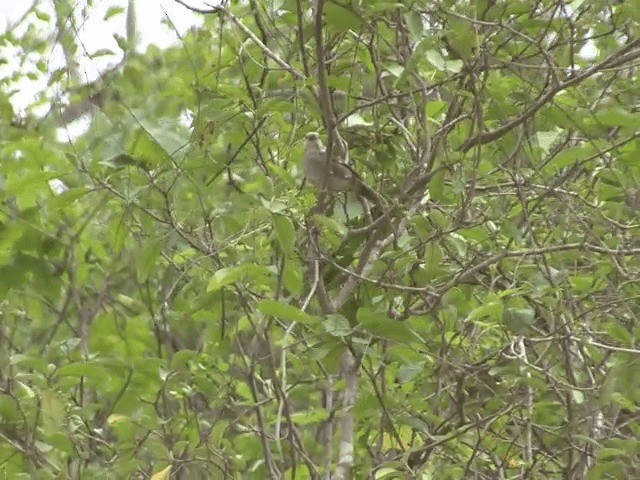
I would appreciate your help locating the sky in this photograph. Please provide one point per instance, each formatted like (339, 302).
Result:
(150, 15)
(97, 33)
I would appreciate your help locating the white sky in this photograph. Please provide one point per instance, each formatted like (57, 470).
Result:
(96, 33)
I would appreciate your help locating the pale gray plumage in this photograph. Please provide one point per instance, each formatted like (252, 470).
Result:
(333, 176)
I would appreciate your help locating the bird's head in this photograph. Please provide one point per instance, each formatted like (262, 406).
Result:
(313, 140)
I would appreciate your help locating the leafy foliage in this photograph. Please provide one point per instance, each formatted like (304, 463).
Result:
(175, 303)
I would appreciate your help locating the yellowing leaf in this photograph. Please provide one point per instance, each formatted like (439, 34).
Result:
(162, 474)
(116, 418)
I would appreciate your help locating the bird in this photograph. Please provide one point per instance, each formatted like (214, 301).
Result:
(333, 176)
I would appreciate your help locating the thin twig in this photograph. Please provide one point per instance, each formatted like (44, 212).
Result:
(236, 21)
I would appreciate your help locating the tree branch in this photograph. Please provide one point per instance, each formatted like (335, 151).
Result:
(615, 60)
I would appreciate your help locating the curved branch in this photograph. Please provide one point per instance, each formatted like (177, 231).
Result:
(625, 55)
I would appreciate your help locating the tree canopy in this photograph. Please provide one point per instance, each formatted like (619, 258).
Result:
(176, 302)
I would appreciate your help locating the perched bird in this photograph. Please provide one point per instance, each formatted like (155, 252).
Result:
(333, 176)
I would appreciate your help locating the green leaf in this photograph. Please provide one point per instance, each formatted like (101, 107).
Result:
(332, 230)
(617, 117)
(415, 23)
(121, 41)
(310, 417)
(11, 276)
(519, 319)
(119, 234)
(436, 109)
(382, 6)
(285, 312)
(340, 18)
(581, 283)
(68, 197)
(273, 206)
(53, 411)
(611, 453)
(88, 370)
(573, 155)
(30, 362)
(618, 333)
(285, 233)
(182, 358)
(292, 275)
(244, 391)
(395, 69)
(256, 274)
(356, 120)
(546, 139)
(112, 12)
(386, 473)
(40, 15)
(436, 188)
(491, 310)
(433, 258)
(144, 150)
(578, 396)
(437, 60)
(408, 372)
(337, 325)
(458, 243)
(381, 325)
(147, 258)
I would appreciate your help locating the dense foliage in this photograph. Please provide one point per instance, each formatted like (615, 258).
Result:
(175, 301)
